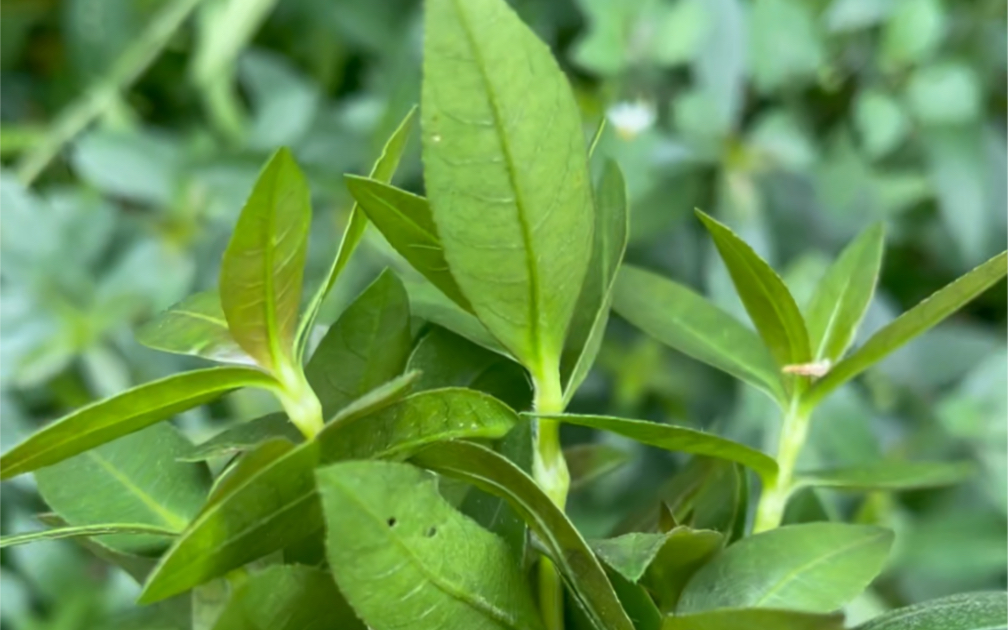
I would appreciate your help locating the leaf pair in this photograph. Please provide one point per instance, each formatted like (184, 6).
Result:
(788, 343)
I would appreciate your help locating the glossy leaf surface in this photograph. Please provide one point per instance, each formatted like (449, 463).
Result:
(195, 326)
(686, 321)
(125, 413)
(506, 173)
(405, 558)
(570, 553)
(969, 611)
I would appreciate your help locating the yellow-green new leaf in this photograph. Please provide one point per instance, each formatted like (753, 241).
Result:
(506, 173)
(842, 296)
(120, 415)
(263, 266)
(382, 170)
(406, 222)
(920, 318)
(495, 474)
(677, 439)
(194, 326)
(405, 557)
(686, 321)
(764, 295)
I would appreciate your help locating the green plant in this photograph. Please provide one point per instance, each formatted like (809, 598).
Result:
(327, 515)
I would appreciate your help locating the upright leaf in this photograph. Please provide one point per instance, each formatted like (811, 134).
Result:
(263, 266)
(764, 295)
(287, 597)
(737, 618)
(687, 322)
(573, 558)
(673, 438)
(969, 611)
(813, 567)
(406, 222)
(506, 173)
(126, 413)
(887, 475)
(405, 558)
(366, 347)
(135, 479)
(382, 170)
(920, 318)
(195, 326)
(842, 296)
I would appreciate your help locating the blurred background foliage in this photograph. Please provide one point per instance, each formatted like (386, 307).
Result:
(131, 131)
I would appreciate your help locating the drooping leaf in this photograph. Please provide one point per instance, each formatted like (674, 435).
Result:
(764, 295)
(968, 611)
(842, 296)
(687, 322)
(812, 567)
(287, 597)
(920, 318)
(591, 313)
(382, 171)
(245, 436)
(263, 265)
(120, 415)
(893, 475)
(406, 222)
(679, 439)
(86, 531)
(405, 558)
(573, 558)
(737, 618)
(195, 326)
(588, 462)
(506, 173)
(135, 479)
(366, 347)
(271, 503)
(445, 359)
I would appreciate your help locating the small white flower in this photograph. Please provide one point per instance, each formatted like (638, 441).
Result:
(632, 118)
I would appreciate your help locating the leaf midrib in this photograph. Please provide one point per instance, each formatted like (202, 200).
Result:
(530, 262)
(173, 520)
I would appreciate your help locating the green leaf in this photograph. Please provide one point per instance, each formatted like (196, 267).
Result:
(287, 597)
(889, 476)
(87, 531)
(920, 318)
(737, 618)
(639, 606)
(676, 439)
(842, 296)
(588, 462)
(195, 326)
(245, 436)
(135, 479)
(506, 173)
(263, 265)
(120, 415)
(764, 295)
(367, 346)
(382, 170)
(813, 567)
(405, 558)
(591, 313)
(575, 561)
(406, 222)
(689, 323)
(430, 304)
(448, 360)
(137, 566)
(269, 501)
(969, 611)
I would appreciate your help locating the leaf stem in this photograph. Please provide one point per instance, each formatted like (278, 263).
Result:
(794, 431)
(300, 402)
(550, 471)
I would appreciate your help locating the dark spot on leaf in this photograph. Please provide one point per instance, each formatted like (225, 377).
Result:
(391, 522)
(431, 532)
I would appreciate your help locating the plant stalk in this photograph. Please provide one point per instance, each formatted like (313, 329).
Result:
(773, 500)
(300, 402)
(550, 472)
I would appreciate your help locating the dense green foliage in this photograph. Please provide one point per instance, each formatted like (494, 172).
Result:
(493, 420)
